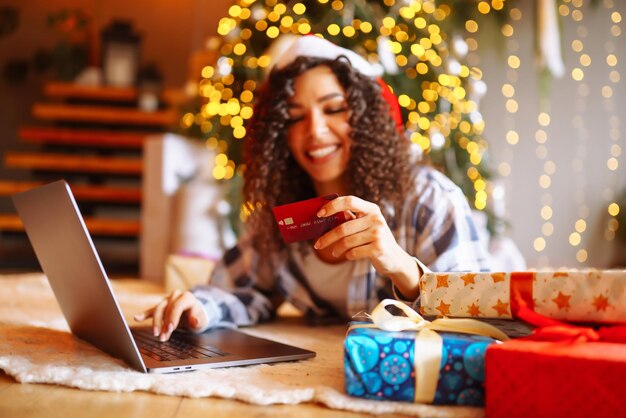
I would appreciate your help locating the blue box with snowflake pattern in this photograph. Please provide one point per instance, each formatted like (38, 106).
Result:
(384, 365)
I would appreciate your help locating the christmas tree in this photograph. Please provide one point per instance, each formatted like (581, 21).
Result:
(418, 43)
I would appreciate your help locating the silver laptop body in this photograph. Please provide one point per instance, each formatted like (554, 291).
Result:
(69, 259)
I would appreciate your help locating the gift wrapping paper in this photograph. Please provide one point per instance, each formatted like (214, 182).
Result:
(549, 380)
(424, 366)
(589, 296)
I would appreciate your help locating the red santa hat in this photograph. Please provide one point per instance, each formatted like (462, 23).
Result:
(315, 46)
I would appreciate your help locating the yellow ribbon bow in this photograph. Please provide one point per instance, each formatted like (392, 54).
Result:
(428, 344)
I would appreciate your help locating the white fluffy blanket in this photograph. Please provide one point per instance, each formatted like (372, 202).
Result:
(36, 347)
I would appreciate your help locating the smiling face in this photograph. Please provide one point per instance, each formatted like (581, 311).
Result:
(319, 132)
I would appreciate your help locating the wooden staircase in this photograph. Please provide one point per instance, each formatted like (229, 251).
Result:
(92, 137)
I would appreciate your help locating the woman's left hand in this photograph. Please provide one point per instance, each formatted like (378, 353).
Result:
(368, 236)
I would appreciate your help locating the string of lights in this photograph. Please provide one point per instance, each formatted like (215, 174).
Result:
(508, 91)
(579, 163)
(615, 149)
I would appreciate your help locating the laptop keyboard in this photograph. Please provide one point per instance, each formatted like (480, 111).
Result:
(174, 349)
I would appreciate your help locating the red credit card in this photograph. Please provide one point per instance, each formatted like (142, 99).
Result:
(299, 222)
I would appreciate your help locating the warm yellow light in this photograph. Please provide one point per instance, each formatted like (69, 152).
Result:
(581, 255)
(246, 96)
(543, 119)
(508, 90)
(407, 13)
(578, 74)
(580, 226)
(511, 105)
(483, 7)
(539, 244)
(208, 71)
(404, 100)
(299, 8)
(420, 23)
(612, 164)
(507, 30)
(236, 121)
(286, 21)
(546, 213)
(246, 112)
(348, 31)
(476, 158)
(239, 49)
(479, 185)
(365, 27)
(234, 11)
(272, 32)
(304, 28)
(512, 137)
(239, 132)
(545, 181)
(187, 120)
(263, 61)
(389, 22)
(221, 159)
(574, 239)
(471, 26)
(337, 5)
(613, 209)
(513, 61)
(219, 172)
(333, 29)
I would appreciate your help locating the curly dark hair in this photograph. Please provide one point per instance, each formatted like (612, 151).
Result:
(380, 162)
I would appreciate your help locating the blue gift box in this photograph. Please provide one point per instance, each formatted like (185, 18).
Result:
(427, 366)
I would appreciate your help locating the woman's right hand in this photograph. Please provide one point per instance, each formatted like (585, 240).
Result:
(179, 308)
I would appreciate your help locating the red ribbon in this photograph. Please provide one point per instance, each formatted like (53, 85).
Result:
(552, 330)
(522, 291)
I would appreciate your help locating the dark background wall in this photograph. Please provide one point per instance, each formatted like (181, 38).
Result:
(172, 31)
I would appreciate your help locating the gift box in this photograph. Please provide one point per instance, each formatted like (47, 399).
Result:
(547, 379)
(383, 365)
(589, 296)
(413, 360)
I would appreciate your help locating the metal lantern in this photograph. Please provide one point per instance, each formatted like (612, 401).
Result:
(150, 86)
(120, 54)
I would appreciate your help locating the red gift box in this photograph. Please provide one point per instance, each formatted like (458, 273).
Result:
(546, 379)
(560, 370)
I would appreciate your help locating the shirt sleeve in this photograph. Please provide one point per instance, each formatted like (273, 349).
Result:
(446, 237)
(241, 292)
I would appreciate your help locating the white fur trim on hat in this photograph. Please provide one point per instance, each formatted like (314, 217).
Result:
(314, 46)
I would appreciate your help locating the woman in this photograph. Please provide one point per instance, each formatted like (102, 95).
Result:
(323, 125)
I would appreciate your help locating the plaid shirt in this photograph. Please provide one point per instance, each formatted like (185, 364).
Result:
(435, 226)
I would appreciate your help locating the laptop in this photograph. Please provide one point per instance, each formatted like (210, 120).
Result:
(68, 257)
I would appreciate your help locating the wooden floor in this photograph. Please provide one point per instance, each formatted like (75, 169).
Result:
(51, 401)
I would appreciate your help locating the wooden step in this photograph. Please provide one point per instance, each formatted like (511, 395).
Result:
(60, 90)
(95, 226)
(73, 163)
(104, 114)
(84, 137)
(82, 192)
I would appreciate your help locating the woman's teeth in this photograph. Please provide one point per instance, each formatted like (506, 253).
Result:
(323, 152)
